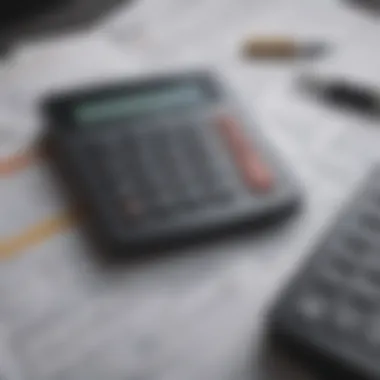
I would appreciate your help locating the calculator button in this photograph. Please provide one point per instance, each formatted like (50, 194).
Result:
(347, 318)
(372, 332)
(202, 164)
(187, 168)
(145, 177)
(119, 177)
(182, 183)
(356, 245)
(339, 268)
(373, 279)
(156, 174)
(371, 222)
(133, 208)
(255, 172)
(312, 306)
(172, 190)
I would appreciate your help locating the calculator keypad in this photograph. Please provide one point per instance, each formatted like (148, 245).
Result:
(155, 171)
(335, 299)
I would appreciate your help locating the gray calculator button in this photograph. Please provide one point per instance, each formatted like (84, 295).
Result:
(356, 244)
(372, 332)
(202, 167)
(347, 319)
(373, 279)
(339, 268)
(312, 306)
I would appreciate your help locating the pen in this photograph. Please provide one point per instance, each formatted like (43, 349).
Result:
(344, 93)
(281, 47)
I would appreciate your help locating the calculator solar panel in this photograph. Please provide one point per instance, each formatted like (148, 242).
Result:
(166, 159)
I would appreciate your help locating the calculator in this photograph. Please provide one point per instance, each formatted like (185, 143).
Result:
(330, 313)
(167, 159)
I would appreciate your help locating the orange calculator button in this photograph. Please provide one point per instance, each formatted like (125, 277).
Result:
(254, 171)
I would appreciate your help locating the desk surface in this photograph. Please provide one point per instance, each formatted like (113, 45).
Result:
(198, 313)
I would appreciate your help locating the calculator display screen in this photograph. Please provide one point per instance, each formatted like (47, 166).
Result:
(128, 105)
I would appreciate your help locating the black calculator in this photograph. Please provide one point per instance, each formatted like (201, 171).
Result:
(165, 159)
(330, 313)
